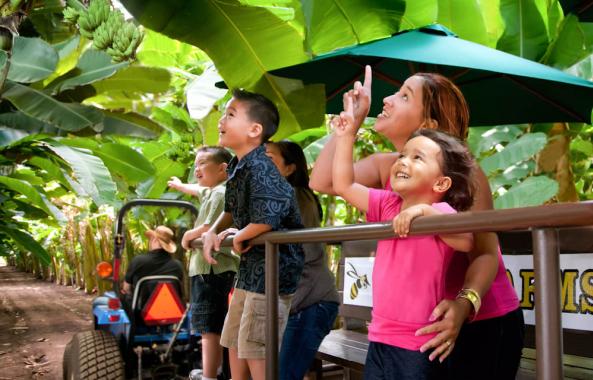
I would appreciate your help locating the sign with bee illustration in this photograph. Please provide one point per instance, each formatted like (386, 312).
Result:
(358, 273)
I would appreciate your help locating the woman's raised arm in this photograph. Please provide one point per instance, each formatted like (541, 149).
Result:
(321, 176)
(371, 171)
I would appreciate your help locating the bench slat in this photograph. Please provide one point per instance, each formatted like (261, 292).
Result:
(345, 348)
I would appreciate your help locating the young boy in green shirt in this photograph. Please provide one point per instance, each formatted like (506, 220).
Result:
(210, 284)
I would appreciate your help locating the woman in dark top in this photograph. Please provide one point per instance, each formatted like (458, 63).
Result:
(315, 303)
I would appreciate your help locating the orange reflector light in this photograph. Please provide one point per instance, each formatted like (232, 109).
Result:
(104, 269)
(163, 307)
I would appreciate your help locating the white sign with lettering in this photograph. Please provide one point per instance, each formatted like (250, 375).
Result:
(576, 274)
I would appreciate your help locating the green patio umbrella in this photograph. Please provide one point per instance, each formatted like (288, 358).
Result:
(500, 88)
(583, 9)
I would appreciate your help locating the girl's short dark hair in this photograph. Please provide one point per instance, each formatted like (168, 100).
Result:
(458, 164)
(293, 154)
(260, 110)
(219, 154)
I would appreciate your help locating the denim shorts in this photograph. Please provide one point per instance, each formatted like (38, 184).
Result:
(209, 301)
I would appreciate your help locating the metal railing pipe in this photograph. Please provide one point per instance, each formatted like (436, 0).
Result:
(548, 311)
(271, 310)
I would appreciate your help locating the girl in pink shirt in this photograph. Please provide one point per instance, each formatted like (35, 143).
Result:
(431, 176)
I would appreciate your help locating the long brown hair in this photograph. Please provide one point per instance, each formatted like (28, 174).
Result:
(292, 153)
(445, 104)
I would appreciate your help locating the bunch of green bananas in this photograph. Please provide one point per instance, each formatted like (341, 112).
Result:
(107, 28)
(71, 15)
(104, 35)
(125, 42)
(96, 14)
(181, 151)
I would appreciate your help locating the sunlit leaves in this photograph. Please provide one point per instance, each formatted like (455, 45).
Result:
(93, 66)
(534, 191)
(471, 27)
(125, 162)
(28, 243)
(27, 190)
(525, 34)
(90, 173)
(339, 23)
(573, 43)
(519, 150)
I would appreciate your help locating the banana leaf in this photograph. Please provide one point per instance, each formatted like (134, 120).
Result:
(136, 79)
(28, 243)
(525, 34)
(27, 190)
(357, 21)
(90, 172)
(67, 116)
(92, 67)
(517, 151)
(534, 191)
(125, 162)
(32, 60)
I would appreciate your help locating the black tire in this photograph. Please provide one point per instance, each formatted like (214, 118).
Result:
(93, 355)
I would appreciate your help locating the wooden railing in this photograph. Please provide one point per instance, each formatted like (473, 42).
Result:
(543, 221)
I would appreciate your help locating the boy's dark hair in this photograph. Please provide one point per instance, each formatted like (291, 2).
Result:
(292, 153)
(260, 110)
(456, 163)
(219, 154)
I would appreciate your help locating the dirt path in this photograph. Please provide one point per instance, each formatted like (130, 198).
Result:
(37, 320)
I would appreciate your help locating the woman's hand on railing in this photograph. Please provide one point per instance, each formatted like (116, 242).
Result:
(449, 316)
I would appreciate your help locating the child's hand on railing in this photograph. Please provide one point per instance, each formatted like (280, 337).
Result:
(238, 241)
(192, 234)
(401, 223)
(210, 242)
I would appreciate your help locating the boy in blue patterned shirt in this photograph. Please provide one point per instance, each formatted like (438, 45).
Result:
(257, 200)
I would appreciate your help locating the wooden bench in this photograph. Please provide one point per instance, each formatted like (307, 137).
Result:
(347, 346)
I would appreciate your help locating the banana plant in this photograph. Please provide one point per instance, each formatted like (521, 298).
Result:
(269, 34)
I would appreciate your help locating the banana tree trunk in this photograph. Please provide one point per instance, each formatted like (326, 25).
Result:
(89, 256)
(555, 158)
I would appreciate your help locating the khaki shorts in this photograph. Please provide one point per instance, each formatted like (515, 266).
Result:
(245, 324)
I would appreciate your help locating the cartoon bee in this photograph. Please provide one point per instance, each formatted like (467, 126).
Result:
(361, 282)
